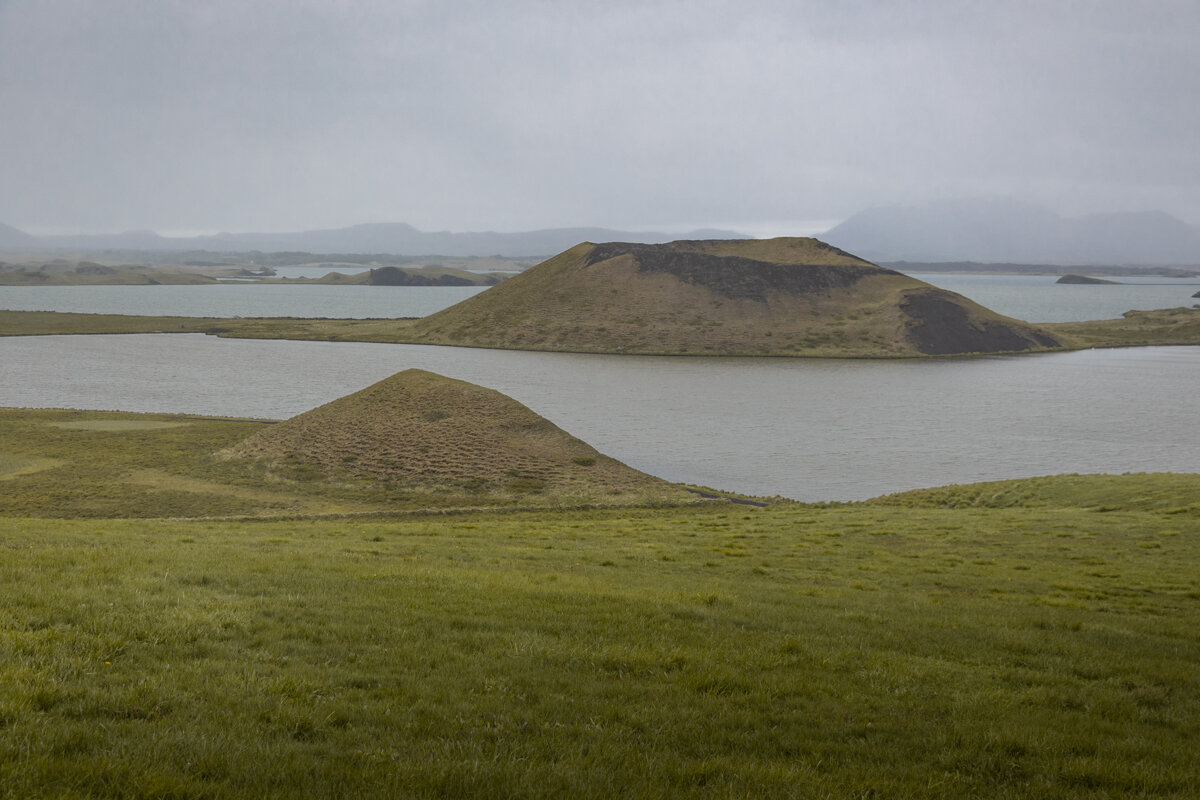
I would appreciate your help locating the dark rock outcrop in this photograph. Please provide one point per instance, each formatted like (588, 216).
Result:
(941, 327)
(735, 277)
(1085, 280)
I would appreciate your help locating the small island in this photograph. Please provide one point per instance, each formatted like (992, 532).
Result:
(730, 297)
(1086, 280)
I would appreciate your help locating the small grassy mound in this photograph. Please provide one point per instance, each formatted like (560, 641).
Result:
(418, 429)
(1163, 492)
(462, 447)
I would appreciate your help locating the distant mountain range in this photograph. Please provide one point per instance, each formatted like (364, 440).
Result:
(988, 230)
(394, 238)
(13, 239)
(999, 230)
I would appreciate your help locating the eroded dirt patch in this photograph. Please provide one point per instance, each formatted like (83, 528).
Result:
(115, 425)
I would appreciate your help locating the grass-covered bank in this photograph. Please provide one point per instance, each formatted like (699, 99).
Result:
(44, 323)
(853, 651)
(1172, 326)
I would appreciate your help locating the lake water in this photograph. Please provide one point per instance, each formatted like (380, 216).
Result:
(1036, 298)
(1040, 298)
(801, 428)
(240, 300)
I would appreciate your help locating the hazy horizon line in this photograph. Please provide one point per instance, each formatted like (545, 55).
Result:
(764, 229)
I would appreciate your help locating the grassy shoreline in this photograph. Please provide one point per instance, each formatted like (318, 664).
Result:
(1177, 326)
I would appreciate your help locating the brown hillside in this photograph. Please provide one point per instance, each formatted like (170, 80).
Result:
(421, 430)
(787, 296)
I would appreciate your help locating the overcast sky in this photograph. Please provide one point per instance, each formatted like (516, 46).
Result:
(766, 117)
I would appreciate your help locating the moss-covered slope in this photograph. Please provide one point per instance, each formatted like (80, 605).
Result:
(787, 296)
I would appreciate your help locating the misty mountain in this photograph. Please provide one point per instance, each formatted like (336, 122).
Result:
(1000, 230)
(13, 239)
(395, 238)
(130, 240)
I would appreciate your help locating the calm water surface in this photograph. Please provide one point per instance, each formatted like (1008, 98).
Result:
(1039, 298)
(1036, 298)
(807, 429)
(239, 300)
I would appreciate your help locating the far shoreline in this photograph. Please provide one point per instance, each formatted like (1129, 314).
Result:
(1172, 326)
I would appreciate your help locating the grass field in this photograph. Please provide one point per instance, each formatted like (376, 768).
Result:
(855, 651)
(1033, 638)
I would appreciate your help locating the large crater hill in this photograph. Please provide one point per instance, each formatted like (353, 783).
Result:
(423, 431)
(785, 296)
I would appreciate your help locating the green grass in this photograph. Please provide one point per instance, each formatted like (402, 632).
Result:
(1168, 492)
(103, 464)
(854, 651)
(1031, 638)
(113, 464)
(1168, 326)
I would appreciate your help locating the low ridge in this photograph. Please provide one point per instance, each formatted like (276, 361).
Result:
(786, 296)
(420, 430)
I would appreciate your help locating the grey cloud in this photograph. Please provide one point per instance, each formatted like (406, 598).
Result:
(475, 115)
